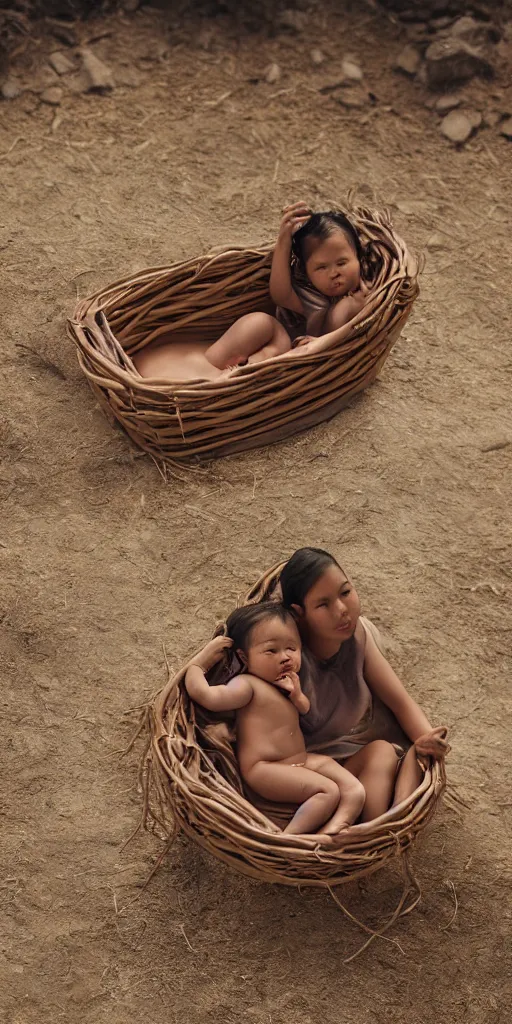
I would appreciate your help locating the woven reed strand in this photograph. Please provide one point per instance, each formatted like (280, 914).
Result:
(191, 780)
(257, 404)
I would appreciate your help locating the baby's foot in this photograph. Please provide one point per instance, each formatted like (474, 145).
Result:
(334, 828)
(212, 653)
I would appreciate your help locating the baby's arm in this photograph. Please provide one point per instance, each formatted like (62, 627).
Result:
(281, 288)
(384, 682)
(340, 316)
(228, 697)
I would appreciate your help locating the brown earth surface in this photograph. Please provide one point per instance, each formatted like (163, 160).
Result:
(103, 562)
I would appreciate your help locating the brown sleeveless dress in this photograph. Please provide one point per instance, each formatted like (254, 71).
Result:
(344, 714)
(316, 307)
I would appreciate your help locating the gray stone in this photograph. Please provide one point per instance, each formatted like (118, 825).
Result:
(52, 96)
(317, 57)
(448, 102)
(272, 74)
(60, 63)
(506, 128)
(351, 71)
(11, 89)
(456, 127)
(453, 60)
(99, 76)
(408, 60)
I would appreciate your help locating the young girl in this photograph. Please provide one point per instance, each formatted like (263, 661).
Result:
(316, 284)
(268, 699)
(360, 712)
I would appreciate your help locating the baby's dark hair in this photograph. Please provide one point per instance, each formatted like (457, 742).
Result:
(301, 572)
(242, 621)
(319, 227)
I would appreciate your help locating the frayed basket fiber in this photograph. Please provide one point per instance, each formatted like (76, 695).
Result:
(258, 404)
(190, 781)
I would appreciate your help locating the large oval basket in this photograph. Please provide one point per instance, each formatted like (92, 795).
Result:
(257, 404)
(191, 780)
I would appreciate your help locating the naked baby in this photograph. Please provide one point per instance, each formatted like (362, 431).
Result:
(268, 699)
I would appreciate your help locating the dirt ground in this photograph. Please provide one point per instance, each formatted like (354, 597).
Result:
(102, 562)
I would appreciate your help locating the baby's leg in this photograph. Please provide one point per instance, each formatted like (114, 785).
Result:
(285, 783)
(351, 794)
(252, 334)
(409, 776)
(375, 766)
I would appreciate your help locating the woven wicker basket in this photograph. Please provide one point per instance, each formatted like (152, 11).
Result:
(257, 404)
(191, 780)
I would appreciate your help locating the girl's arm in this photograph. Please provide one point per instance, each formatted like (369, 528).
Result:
(384, 683)
(229, 697)
(281, 288)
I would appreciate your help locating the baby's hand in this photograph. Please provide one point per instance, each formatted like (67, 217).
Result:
(212, 653)
(291, 684)
(433, 744)
(294, 217)
(303, 341)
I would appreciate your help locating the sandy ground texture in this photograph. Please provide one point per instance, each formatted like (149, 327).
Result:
(102, 562)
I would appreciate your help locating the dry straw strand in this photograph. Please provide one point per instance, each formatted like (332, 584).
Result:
(258, 404)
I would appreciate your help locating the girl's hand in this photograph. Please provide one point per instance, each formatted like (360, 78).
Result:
(294, 217)
(212, 653)
(433, 744)
(303, 341)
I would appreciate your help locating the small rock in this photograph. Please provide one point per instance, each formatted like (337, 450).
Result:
(408, 60)
(64, 33)
(474, 32)
(453, 60)
(291, 21)
(99, 76)
(351, 71)
(448, 102)
(272, 74)
(52, 95)
(351, 98)
(438, 241)
(11, 89)
(456, 127)
(437, 24)
(317, 57)
(60, 63)
(506, 128)
(474, 116)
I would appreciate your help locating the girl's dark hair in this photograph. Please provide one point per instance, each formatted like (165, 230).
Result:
(301, 572)
(320, 226)
(242, 621)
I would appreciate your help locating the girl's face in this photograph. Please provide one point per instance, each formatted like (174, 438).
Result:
(274, 650)
(333, 267)
(331, 609)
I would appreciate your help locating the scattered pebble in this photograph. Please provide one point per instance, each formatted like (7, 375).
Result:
(448, 102)
(474, 116)
(492, 118)
(456, 127)
(11, 89)
(408, 60)
(272, 74)
(474, 32)
(453, 60)
(351, 98)
(60, 63)
(64, 33)
(437, 241)
(52, 95)
(317, 57)
(292, 21)
(506, 128)
(437, 24)
(351, 71)
(99, 76)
